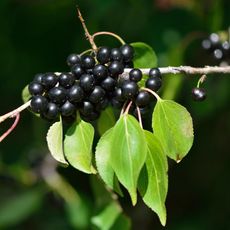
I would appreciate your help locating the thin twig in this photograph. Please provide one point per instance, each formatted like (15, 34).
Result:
(153, 93)
(139, 116)
(87, 34)
(110, 34)
(17, 117)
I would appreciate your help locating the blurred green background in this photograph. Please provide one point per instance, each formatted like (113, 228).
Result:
(37, 36)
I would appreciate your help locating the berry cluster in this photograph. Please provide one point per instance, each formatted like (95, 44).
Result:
(219, 49)
(92, 83)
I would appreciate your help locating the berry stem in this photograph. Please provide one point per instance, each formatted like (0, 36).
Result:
(201, 80)
(87, 34)
(86, 51)
(128, 108)
(17, 117)
(139, 116)
(110, 34)
(153, 93)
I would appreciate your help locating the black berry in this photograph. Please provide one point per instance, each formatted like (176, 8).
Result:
(49, 80)
(87, 61)
(129, 89)
(66, 80)
(35, 88)
(52, 111)
(73, 59)
(108, 84)
(67, 109)
(57, 95)
(103, 55)
(142, 99)
(75, 94)
(118, 95)
(86, 108)
(38, 78)
(116, 54)
(87, 82)
(38, 104)
(116, 68)
(153, 83)
(154, 72)
(77, 71)
(135, 75)
(198, 94)
(97, 95)
(127, 52)
(100, 71)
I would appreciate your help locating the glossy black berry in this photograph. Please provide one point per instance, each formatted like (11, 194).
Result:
(87, 82)
(118, 95)
(116, 68)
(77, 71)
(57, 95)
(135, 75)
(206, 44)
(35, 88)
(108, 84)
(38, 104)
(214, 39)
(49, 80)
(73, 59)
(97, 95)
(153, 83)
(38, 78)
(100, 71)
(66, 80)
(154, 72)
(218, 54)
(142, 99)
(127, 52)
(103, 55)
(75, 94)
(67, 109)
(129, 89)
(86, 108)
(116, 54)
(87, 61)
(198, 94)
(52, 111)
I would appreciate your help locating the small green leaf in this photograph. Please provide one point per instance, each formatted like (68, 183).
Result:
(78, 146)
(106, 120)
(157, 187)
(145, 56)
(172, 125)
(128, 153)
(55, 142)
(26, 94)
(108, 216)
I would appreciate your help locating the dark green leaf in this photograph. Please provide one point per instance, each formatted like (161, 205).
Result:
(144, 57)
(55, 142)
(128, 152)
(106, 120)
(172, 125)
(78, 146)
(26, 94)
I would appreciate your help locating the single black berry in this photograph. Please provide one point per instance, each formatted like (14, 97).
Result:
(118, 95)
(38, 78)
(142, 99)
(127, 52)
(57, 95)
(77, 71)
(129, 89)
(100, 71)
(66, 80)
(52, 111)
(108, 84)
(198, 94)
(135, 75)
(97, 94)
(116, 68)
(73, 59)
(154, 72)
(38, 104)
(87, 61)
(214, 39)
(153, 83)
(206, 44)
(103, 55)
(218, 54)
(87, 82)
(35, 88)
(116, 54)
(67, 109)
(49, 80)
(75, 94)
(86, 108)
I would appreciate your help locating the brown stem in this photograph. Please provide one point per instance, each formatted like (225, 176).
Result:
(153, 93)
(139, 116)
(128, 107)
(110, 34)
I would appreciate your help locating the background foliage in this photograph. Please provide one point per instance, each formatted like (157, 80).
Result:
(37, 36)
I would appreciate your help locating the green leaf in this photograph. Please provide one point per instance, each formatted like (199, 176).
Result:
(172, 125)
(157, 187)
(26, 94)
(106, 120)
(78, 146)
(20, 207)
(108, 216)
(145, 56)
(128, 153)
(55, 142)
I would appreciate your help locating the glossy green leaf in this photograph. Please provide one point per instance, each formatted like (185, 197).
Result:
(26, 94)
(55, 142)
(107, 217)
(106, 120)
(172, 125)
(145, 56)
(78, 146)
(128, 153)
(157, 186)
